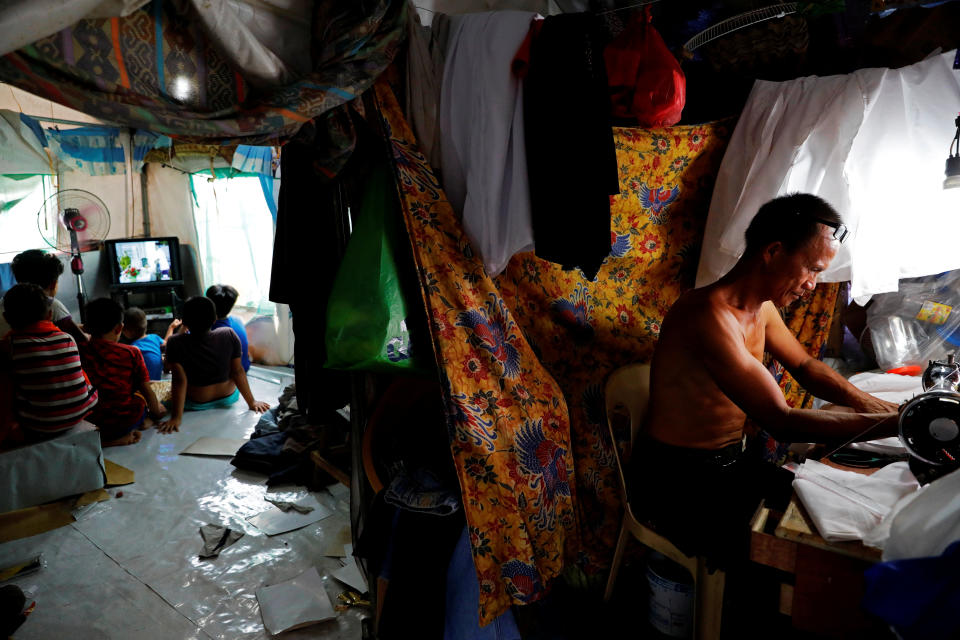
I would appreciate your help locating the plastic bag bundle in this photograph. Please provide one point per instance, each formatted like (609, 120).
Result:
(920, 322)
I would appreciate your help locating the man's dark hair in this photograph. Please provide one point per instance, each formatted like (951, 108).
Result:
(37, 267)
(25, 304)
(792, 219)
(135, 320)
(199, 314)
(102, 315)
(224, 297)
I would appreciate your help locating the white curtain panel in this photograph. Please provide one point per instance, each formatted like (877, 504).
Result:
(873, 144)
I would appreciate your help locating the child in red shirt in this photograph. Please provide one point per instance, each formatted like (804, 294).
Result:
(119, 375)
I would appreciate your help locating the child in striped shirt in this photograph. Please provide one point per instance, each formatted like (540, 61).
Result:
(50, 391)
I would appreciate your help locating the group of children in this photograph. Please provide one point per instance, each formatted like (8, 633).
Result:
(60, 374)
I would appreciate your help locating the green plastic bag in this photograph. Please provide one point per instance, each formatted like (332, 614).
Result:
(368, 325)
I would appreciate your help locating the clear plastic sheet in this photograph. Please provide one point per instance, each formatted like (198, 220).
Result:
(128, 568)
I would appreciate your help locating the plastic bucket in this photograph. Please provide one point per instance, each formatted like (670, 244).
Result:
(671, 597)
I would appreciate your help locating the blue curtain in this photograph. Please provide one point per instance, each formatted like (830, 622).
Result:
(258, 160)
(96, 150)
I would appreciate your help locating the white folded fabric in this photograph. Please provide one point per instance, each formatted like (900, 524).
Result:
(845, 505)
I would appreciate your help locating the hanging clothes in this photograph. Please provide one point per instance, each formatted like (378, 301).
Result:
(482, 146)
(425, 62)
(572, 163)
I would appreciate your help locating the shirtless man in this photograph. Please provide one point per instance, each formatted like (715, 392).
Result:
(707, 378)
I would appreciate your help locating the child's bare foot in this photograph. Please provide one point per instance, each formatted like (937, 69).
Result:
(131, 438)
(147, 423)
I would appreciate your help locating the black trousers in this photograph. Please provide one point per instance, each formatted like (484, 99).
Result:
(702, 500)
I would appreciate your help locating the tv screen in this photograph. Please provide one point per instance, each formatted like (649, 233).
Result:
(139, 262)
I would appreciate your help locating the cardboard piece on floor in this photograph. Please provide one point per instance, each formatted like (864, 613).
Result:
(24, 523)
(214, 447)
(349, 574)
(336, 546)
(116, 474)
(274, 521)
(90, 497)
(296, 603)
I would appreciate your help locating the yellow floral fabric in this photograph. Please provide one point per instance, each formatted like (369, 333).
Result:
(507, 417)
(809, 319)
(583, 330)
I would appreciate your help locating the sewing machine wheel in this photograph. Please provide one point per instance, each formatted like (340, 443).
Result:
(930, 428)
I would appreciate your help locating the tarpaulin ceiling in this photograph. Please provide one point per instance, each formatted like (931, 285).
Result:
(211, 71)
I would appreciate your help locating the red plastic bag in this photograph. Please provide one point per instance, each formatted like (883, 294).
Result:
(646, 81)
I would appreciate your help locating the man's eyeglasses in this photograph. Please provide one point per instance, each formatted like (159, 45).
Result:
(840, 230)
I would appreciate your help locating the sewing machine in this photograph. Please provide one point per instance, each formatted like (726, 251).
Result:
(930, 422)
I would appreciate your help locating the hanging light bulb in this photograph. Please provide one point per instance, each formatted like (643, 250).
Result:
(953, 160)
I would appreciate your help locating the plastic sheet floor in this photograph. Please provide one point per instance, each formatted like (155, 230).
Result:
(128, 568)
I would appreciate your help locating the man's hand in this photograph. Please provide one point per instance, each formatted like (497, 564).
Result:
(169, 426)
(872, 404)
(258, 406)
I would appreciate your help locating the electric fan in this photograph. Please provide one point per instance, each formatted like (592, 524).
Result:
(80, 221)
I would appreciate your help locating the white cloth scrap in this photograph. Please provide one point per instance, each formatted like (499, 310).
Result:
(926, 525)
(482, 140)
(845, 505)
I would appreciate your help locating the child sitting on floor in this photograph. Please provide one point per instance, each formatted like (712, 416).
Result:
(150, 344)
(119, 375)
(224, 297)
(206, 366)
(50, 391)
(44, 269)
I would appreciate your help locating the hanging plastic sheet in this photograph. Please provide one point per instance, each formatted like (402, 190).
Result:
(856, 140)
(97, 151)
(21, 149)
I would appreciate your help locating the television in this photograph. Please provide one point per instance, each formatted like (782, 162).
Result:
(144, 262)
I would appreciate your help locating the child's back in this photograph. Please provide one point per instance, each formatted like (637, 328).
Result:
(116, 371)
(51, 392)
(205, 357)
(119, 374)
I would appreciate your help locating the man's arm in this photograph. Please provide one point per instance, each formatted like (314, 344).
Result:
(812, 374)
(239, 377)
(745, 381)
(178, 397)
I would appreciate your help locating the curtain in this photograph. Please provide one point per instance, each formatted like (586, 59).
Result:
(507, 418)
(232, 219)
(873, 144)
(160, 69)
(261, 161)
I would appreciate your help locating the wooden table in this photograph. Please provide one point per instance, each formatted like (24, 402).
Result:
(825, 585)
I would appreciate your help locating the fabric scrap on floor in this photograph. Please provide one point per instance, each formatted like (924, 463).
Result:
(216, 538)
(287, 506)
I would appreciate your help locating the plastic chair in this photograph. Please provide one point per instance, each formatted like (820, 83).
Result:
(628, 389)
